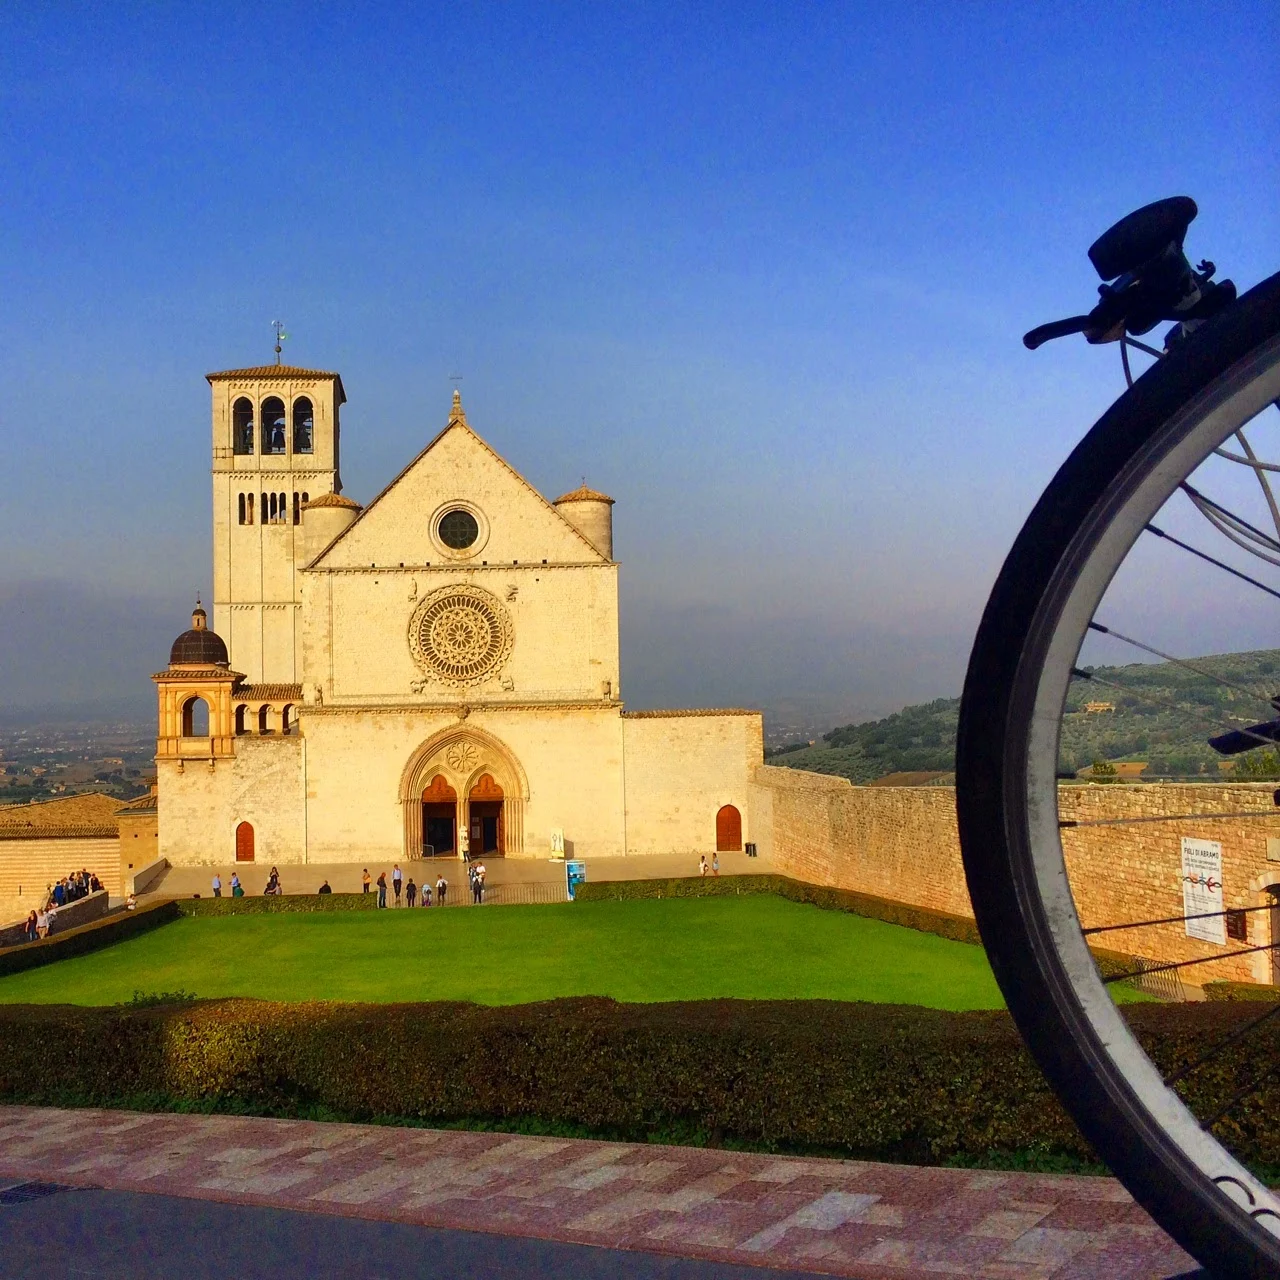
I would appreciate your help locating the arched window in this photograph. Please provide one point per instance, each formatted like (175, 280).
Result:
(273, 425)
(250, 501)
(297, 507)
(241, 726)
(242, 426)
(195, 718)
(282, 508)
(306, 497)
(288, 720)
(303, 426)
(242, 508)
(264, 719)
(264, 508)
(728, 829)
(271, 507)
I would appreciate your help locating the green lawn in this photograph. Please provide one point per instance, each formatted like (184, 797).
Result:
(673, 949)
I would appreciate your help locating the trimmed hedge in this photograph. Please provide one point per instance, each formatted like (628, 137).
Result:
(872, 1081)
(264, 905)
(942, 923)
(1241, 991)
(86, 937)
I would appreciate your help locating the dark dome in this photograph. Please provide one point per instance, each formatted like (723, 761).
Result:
(199, 646)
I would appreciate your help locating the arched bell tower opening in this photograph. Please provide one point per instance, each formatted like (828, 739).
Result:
(467, 777)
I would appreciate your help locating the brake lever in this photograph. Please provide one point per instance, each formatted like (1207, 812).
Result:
(1054, 329)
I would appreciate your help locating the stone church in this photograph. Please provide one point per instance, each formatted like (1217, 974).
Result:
(436, 672)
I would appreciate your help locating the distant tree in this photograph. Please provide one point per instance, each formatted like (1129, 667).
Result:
(1257, 765)
(1102, 771)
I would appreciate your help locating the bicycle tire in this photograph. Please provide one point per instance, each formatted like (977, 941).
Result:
(1011, 709)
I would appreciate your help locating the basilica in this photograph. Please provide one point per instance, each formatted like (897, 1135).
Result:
(435, 673)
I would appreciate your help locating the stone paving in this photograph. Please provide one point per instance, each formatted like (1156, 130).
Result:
(845, 1218)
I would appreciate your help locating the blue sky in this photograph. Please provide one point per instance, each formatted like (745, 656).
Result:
(758, 271)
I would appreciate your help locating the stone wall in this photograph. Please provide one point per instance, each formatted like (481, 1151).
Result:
(29, 867)
(902, 843)
(681, 768)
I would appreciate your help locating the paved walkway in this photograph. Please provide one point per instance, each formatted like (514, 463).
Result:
(845, 1218)
(345, 877)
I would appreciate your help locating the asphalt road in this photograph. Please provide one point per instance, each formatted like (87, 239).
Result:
(109, 1234)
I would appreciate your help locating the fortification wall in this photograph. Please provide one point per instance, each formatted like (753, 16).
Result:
(902, 843)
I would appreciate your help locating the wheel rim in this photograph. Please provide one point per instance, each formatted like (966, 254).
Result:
(1045, 671)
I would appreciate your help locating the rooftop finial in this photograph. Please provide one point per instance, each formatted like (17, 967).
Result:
(198, 617)
(456, 413)
(281, 336)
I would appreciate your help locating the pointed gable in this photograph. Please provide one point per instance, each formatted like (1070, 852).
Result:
(517, 523)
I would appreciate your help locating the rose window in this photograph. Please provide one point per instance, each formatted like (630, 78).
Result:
(460, 635)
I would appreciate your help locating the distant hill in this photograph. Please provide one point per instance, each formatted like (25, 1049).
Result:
(1130, 724)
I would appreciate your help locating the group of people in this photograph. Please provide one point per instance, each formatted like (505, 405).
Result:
(405, 892)
(237, 889)
(714, 868)
(71, 888)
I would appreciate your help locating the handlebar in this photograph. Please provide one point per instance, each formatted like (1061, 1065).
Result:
(1057, 329)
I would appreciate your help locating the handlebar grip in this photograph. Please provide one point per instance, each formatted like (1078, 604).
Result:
(1056, 329)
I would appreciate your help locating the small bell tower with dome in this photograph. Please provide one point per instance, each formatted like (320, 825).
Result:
(275, 448)
(196, 719)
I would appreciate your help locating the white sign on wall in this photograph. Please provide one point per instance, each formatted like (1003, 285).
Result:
(1202, 888)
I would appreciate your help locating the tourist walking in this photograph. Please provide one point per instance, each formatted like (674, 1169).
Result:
(442, 887)
(397, 879)
(42, 923)
(382, 889)
(217, 885)
(702, 865)
(410, 893)
(365, 881)
(29, 929)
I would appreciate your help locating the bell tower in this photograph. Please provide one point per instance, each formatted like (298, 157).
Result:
(275, 447)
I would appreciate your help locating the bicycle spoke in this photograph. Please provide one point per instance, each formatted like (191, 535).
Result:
(1186, 964)
(1240, 1095)
(1204, 555)
(1181, 662)
(1202, 915)
(1234, 1038)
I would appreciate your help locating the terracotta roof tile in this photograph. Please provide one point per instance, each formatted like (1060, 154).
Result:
(269, 371)
(331, 500)
(583, 494)
(90, 814)
(267, 693)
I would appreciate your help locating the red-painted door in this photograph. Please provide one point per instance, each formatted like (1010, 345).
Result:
(728, 829)
(244, 842)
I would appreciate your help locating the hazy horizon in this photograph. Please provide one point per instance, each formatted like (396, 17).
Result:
(760, 276)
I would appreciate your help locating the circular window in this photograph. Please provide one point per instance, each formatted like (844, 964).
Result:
(458, 529)
(461, 635)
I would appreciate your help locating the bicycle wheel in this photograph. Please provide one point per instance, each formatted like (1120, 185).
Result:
(1084, 527)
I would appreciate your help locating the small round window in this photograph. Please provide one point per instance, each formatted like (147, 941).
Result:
(458, 529)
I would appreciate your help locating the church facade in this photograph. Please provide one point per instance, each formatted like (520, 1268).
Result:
(436, 673)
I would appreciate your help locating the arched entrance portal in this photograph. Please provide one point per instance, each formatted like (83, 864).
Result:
(244, 842)
(480, 788)
(485, 807)
(439, 819)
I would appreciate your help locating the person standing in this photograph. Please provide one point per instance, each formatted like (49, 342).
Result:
(217, 885)
(426, 893)
(29, 929)
(397, 881)
(237, 889)
(382, 889)
(324, 888)
(410, 893)
(715, 864)
(365, 881)
(442, 887)
(702, 865)
(42, 923)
